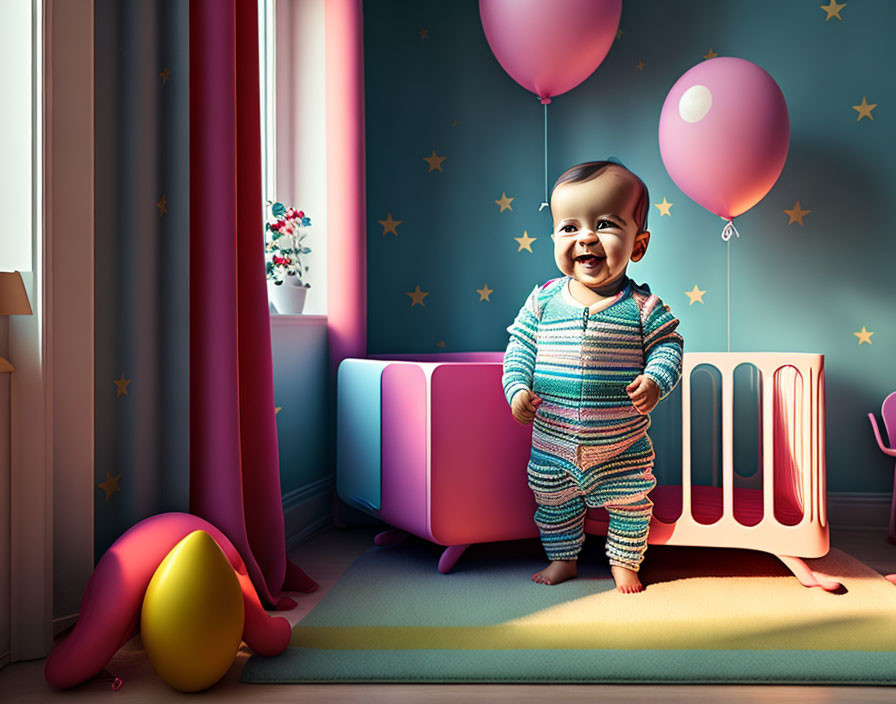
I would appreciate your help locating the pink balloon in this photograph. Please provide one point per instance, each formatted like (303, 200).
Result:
(724, 133)
(550, 46)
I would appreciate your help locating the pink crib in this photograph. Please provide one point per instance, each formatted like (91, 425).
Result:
(426, 443)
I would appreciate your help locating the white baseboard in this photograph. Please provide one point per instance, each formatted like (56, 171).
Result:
(308, 510)
(859, 511)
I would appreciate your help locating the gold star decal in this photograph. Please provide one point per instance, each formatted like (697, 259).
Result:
(434, 161)
(796, 214)
(504, 202)
(440, 344)
(417, 296)
(833, 9)
(122, 385)
(864, 109)
(485, 292)
(165, 74)
(525, 242)
(640, 65)
(695, 295)
(619, 34)
(162, 205)
(664, 207)
(389, 224)
(110, 486)
(864, 335)
(710, 54)
(455, 123)
(277, 409)
(424, 33)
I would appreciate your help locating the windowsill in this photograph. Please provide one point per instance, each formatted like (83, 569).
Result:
(300, 319)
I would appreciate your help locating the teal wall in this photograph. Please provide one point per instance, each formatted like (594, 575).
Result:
(794, 288)
(301, 372)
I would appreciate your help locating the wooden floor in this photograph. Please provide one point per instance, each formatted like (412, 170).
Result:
(326, 556)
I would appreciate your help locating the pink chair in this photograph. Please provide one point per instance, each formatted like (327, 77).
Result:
(888, 412)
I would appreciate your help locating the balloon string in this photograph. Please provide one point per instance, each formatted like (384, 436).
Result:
(544, 203)
(728, 281)
(727, 232)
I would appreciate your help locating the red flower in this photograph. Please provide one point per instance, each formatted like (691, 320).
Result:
(301, 214)
(281, 260)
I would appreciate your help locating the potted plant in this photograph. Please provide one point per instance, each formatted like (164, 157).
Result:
(284, 251)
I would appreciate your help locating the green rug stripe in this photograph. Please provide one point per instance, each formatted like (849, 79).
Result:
(575, 666)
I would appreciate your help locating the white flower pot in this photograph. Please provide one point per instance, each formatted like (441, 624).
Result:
(289, 297)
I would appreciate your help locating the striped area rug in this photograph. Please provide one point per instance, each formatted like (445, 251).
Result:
(707, 615)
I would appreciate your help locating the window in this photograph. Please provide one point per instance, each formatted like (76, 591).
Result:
(19, 151)
(266, 63)
(293, 123)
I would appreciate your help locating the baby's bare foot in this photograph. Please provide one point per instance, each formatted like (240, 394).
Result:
(556, 572)
(626, 580)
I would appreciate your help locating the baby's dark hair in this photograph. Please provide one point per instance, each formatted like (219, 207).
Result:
(592, 169)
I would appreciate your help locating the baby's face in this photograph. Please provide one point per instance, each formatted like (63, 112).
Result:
(595, 234)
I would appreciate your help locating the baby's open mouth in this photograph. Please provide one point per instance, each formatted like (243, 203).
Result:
(589, 259)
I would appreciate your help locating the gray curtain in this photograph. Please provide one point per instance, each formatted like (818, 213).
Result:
(142, 263)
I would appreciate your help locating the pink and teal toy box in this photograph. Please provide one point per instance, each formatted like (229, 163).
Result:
(424, 446)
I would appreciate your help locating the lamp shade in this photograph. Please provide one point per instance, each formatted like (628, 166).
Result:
(13, 298)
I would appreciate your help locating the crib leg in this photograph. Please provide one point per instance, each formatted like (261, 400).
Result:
(450, 557)
(393, 536)
(806, 576)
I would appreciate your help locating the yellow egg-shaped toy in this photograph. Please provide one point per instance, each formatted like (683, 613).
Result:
(192, 617)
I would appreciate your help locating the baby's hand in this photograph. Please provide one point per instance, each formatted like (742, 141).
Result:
(644, 393)
(523, 406)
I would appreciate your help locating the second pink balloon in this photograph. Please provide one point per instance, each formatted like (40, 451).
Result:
(724, 132)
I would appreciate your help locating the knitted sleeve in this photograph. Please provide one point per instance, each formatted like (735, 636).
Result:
(663, 346)
(519, 359)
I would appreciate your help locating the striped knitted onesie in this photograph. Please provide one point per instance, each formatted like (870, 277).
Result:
(589, 443)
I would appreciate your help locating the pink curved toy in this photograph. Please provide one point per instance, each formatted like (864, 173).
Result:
(888, 413)
(111, 604)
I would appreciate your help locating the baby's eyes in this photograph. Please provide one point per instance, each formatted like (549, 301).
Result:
(601, 225)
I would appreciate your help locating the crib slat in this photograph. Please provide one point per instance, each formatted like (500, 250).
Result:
(821, 466)
(805, 453)
(686, 515)
(811, 457)
(768, 443)
(727, 442)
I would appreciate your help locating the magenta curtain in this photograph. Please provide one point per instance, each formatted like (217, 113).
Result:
(234, 462)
